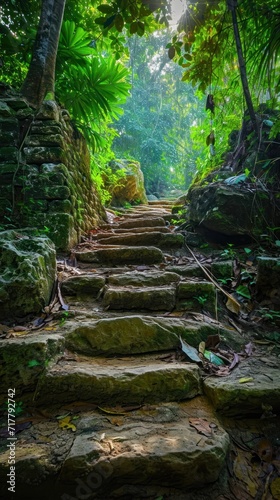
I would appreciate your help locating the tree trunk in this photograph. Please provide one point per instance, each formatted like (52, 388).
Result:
(40, 79)
(232, 5)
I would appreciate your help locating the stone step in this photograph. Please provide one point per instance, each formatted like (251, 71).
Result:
(151, 298)
(142, 334)
(142, 222)
(130, 380)
(185, 295)
(148, 450)
(145, 278)
(161, 203)
(161, 240)
(251, 389)
(142, 453)
(161, 212)
(122, 255)
(105, 234)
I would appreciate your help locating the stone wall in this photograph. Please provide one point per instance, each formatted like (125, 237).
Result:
(45, 172)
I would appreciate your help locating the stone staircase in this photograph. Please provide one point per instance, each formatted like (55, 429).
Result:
(112, 406)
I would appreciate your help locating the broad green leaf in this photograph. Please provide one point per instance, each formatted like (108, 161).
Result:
(32, 363)
(243, 291)
(105, 9)
(191, 352)
(213, 358)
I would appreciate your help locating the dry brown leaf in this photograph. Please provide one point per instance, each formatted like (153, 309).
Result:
(202, 426)
(232, 305)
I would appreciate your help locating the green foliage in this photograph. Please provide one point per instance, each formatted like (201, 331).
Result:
(90, 86)
(155, 127)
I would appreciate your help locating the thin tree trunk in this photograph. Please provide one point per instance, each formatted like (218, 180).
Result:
(232, 5)
(40, 78)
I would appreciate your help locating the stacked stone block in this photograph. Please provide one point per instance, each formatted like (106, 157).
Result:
(45, 172)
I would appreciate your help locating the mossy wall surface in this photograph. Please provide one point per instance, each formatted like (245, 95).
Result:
(45, 174)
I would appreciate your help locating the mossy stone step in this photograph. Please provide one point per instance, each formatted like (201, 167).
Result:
(252, 388)
(122, 255)
(145, 298)
(85, 284)
(161, 240)
(154, 449)
(108, 381)
(148, 451)
(142, 222)
(143, 278)
(108, 234)
(140, 334)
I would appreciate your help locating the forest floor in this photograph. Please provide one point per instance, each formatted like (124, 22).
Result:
(159, 379)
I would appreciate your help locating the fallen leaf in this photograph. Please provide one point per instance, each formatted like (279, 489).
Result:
(244, 380)
(33, 362)
(65, 423)
(275, 488)
(232, 305)
(110, 412)
(202, 426)
(190, 352)
(264, 450)
(249, 349)
(234, 362)
(212, 341)
(213, 358)
(19, 328)
(118, 421)
(201, 347)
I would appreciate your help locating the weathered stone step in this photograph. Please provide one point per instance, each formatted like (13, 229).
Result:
(135, 216)
(143, 278)
(159, 449)
(122, 255)
(130, 380)
(107, 234)
(148, 451)
(16, 354)
(161, 240)
(151, 298)
(133, 223)
(252, 388)
(159, 203)
(185, 295)
(139, 334)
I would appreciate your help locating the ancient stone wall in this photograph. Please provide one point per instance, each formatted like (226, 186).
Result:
(45, 176)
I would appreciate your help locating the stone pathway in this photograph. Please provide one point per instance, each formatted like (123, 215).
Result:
(113, 408)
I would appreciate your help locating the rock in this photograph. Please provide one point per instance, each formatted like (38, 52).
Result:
(229, 210)
(143, 222)
(5, 110)
(142, 334)
(151, 299)
(113, 381)
(268, 277)
(82, 285)
(130, 188)
(142, 279)
(161, 240)
(27, 269)
(260, 394)
(48, 111)
(194, 295)
(152, 197)
(23, 359)
(144, 445)
(123, 255)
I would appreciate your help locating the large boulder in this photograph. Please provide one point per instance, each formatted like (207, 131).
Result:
(231, 210)
(27, 273)
(130, 188)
